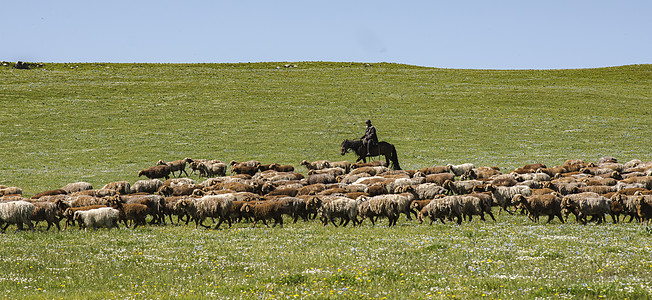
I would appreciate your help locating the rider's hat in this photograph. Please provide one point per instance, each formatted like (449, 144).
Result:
(368, 122)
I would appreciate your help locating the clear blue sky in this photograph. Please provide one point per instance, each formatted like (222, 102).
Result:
(449, 34)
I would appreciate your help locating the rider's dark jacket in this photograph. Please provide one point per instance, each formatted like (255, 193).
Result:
(370, 135)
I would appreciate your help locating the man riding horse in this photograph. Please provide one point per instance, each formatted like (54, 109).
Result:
(369, 139)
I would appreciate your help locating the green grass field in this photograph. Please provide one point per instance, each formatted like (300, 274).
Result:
(99, 123)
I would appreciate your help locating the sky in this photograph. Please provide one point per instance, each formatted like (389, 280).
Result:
(460, 34)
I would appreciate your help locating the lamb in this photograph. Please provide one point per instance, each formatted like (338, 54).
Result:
(344, 208)
(149, 186)
(536, 205)
(459, 170)
(121, 187)
(446, 207)
(503, 195)
(46, 211)
(266, 210)
(98, 217)
(159, 171)
(176, 166)
(77, 187)
(16, 212)
(316, 165)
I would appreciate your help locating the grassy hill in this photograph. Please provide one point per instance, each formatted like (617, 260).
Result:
(103, 122)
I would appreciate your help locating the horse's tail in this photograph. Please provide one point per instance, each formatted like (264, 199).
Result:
(394, 159)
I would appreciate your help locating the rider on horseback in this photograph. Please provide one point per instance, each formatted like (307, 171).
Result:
(369, 139)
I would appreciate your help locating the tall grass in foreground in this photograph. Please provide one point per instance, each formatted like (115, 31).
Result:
(508, 259)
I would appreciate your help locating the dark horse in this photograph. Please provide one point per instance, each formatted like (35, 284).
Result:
(383, 148)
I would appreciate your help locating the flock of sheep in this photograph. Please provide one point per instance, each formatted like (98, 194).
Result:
(340, 192)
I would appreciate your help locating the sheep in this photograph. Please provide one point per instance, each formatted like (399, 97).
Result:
(376, 163)
(484, 173)
(503, 195)
(645, 180)
(461, 187)
(552, 172)
(213, 206)
(548, 204)
(529, 168)
(435, 170)
(599, 181)
(352, 178)
(417, 205)
(149, 186)
(312, 189)
(95, 193)
(170, 208)
(475, 206)
(316, 165)
(84, 200)
(10, 191)
(644, 208)
(564, 188)
(46, 211)
(176, 166)
(159, 171)
(132, 212)
(16, 212)
(344, 208)
(424, 190)
(121, 187)
(626, 205)
(588, 206)
(180, 190)
(243, 169)
(172, 182)
(325, 178)
(335, 171)
(342, 165)
(439, 178)
(532, 176)
(379, 206)
(155, 205)
(68, 212)
(373, 171)
(97, 218)
(599, 189)
(49, 193)
(77, 187)
(266, 210)
(281, 168)
(290, 191)
(446, 207)
(459, 170)
(209, 168)
(250, 163)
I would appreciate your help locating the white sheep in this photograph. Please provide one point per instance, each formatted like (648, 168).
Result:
(459, 170)
(16, 212)
(424, 191)
(77, 187)
(212, 206)
(121, 187)
(149, 186)
(446, 207)
(503, 195)
(105, 217)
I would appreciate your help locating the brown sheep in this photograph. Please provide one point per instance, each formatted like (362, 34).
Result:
(180, 190)
(312, 189)
(132, 212)
(435, 170)
(160, 171)
(265, 210)
(46, 211)
(49, 193)
(242, 169)
(342, 165)
(440, 178)
(552, 172)
(644, 208)
(281, 168)
(176, 166)
(316, 165)
(536, 205)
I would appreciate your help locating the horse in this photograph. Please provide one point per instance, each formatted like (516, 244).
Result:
(382, 148)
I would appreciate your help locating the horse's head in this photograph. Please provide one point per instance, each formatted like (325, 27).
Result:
(344, 147)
